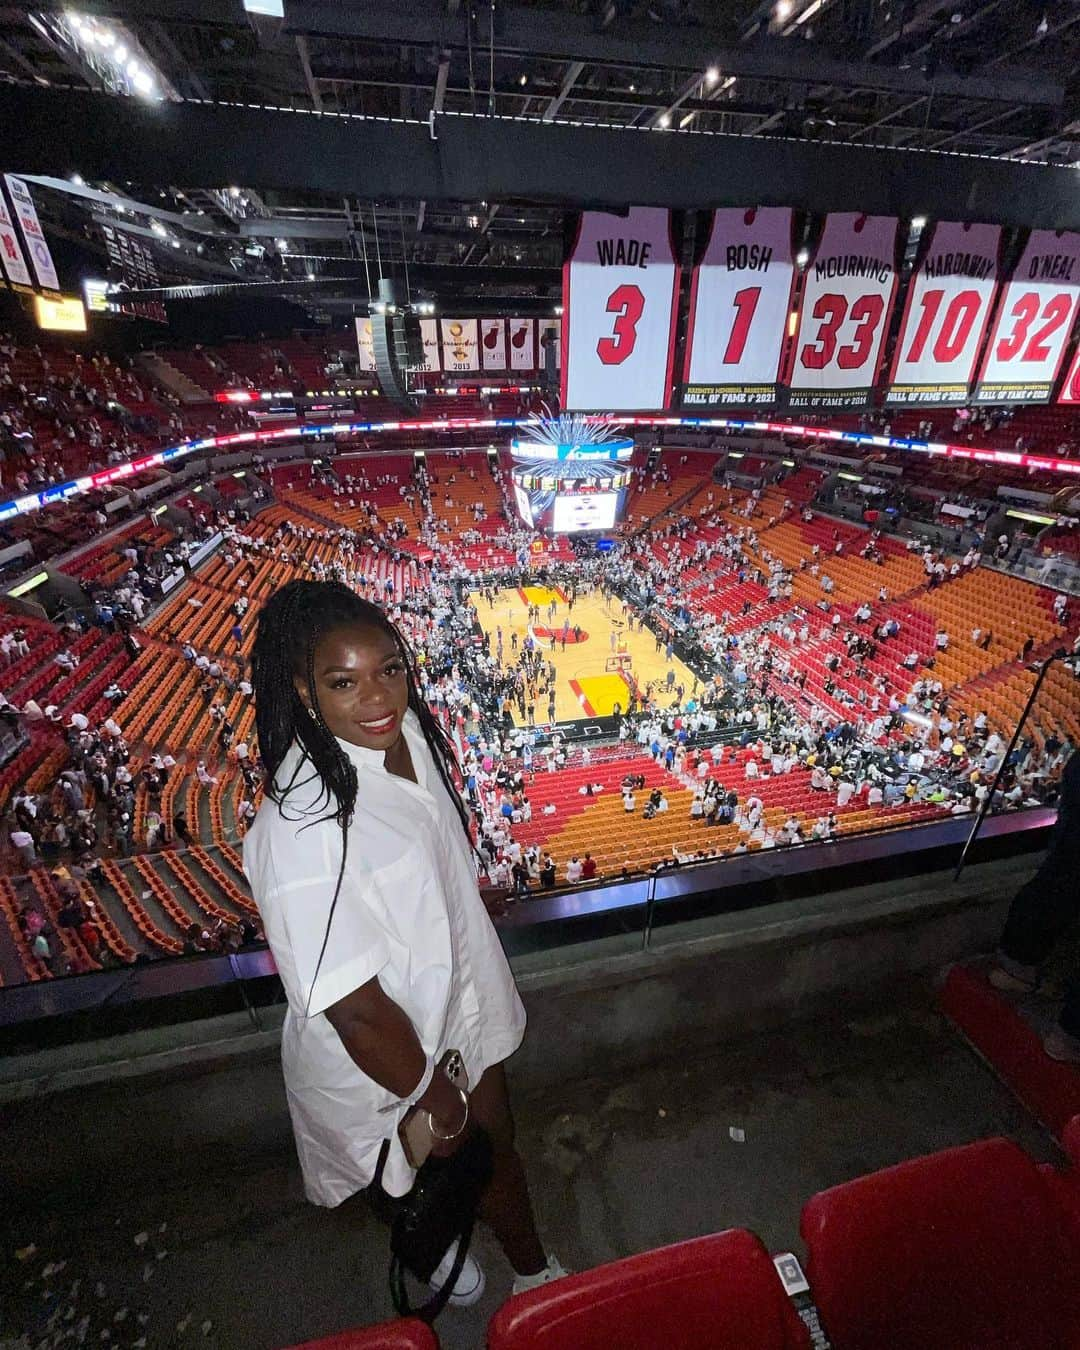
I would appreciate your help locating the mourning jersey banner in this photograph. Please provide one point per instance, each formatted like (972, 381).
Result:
(1034, 321)
(949, 304)
(460, 344)
(620, 287)
(26, 213)
(522, 344)
(844, 316)
(739, 304)
(493, 344)
(11, 254)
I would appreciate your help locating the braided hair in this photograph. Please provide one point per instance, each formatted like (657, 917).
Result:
(290, 625)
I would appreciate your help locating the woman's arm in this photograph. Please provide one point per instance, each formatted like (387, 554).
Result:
(382, 1042)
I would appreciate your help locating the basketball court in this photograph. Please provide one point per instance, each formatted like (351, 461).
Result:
(592, 674)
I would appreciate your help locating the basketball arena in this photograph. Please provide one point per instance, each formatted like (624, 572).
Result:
(694, 389)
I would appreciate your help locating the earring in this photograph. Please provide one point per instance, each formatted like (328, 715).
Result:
(313, 714)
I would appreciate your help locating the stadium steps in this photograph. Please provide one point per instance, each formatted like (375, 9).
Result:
(12, 967)
(164, 906)
(37, 888)
(192, 866)
(173, 379)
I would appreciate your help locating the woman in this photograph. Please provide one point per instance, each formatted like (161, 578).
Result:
(362, 866)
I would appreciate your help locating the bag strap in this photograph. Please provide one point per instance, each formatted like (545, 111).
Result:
(428, 1311)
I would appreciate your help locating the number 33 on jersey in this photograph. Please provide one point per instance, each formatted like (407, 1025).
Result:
(620, 293)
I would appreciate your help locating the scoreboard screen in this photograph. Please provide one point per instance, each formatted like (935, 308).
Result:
(589, 511)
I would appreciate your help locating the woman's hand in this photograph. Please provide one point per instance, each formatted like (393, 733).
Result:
(458, 1123)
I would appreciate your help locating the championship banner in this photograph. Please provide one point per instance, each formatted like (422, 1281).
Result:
(493, 344)
(366, 344)
(1070, 390)
(40, 257)
(847, 301)
(620, 295)
(740, 299)
(460, 345)
(1033, 324)
(11, 254)
(949, 304)
(429, 335)
(522, 344)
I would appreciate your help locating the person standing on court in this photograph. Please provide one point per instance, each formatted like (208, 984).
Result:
(362, 866)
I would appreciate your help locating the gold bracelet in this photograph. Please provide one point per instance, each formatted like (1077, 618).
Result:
(445, 1138)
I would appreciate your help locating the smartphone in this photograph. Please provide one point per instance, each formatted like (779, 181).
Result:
(414, 1130)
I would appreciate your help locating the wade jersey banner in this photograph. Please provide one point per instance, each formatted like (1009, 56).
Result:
(739, 304)
(620, 291)
(949, 304)
(1034, 322)
(844, 314)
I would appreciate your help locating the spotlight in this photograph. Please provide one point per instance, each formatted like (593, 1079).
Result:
(783, 9)
(711, 76)
(234, 192)
(802, 257)
(918, 222)
(665, 119)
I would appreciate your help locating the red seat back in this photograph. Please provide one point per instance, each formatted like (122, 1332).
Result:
(962, 1250)
(408, 1334)
(712, 1293)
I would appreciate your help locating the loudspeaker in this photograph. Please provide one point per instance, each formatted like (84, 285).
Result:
(388, 342)
(413, 340)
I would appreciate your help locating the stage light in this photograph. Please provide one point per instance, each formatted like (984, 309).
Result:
(234, 192)
(711, 76)
(783, 9)
(918, 222)
(665, 119)
(120, 54)
(132, 68)
(523, 79)
(802, 257)
(77, 179)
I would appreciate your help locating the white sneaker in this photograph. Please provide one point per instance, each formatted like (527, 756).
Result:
(469, 1286)
(552, 1271)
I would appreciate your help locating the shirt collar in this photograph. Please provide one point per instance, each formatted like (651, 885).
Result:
(363, 758)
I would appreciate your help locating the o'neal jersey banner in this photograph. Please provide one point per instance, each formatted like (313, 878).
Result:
(620, 290)
(493, 344)
(739, 305)
(847, 300)
(1034, 321)
(949, 303)
(459, 344)
(522, 344)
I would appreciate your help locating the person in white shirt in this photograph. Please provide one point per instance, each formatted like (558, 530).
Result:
(363, 806)
(79, 721)
(845, 790)
(751, 768)
(573, 870)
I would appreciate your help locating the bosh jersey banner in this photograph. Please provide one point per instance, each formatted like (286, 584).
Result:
(40, 257)
(844, 316)
(11, 254)
(739, 304)
(460, 345)
(493, 344)
(949, 304)
(1034, 321)
(522, 344)
(620, 291)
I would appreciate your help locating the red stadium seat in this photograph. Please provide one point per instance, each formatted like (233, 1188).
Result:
(407, 1334)
(966, 1249)
(712, 1293)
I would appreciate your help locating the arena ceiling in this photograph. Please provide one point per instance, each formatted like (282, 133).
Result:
(791, 86)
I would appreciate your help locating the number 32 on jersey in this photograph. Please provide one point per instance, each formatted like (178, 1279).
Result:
(620, 287)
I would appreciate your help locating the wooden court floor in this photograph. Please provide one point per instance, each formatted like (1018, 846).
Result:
(584, 687)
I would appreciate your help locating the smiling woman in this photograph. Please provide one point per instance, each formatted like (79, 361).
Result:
(362, 866)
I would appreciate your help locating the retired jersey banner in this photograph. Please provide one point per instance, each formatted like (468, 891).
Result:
(550, 335)
(739, 305)
(620, 290)
(1034, 322)
(1070, 390)
(949, 304)
(365, 343)
(460, 345)
(844, 316)
(11, 254)
(522, 344)
(493, 344)
(26, 213)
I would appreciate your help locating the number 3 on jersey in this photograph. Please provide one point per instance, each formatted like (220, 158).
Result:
(627, 303)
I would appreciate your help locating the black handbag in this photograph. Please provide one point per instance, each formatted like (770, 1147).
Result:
(439, 1209)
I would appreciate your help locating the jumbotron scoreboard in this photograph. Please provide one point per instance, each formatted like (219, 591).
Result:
(571, 475)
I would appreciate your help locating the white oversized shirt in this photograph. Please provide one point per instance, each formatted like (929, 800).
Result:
(410, 913)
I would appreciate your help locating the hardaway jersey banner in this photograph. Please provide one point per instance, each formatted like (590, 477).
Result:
(522, 344)
(366, 345)
(949, 303)
(493, 344)
(1034, 321)
(40, 257)
(459, 344)
(11, 254)
(620, 285)
(844, 316)
(739, 305)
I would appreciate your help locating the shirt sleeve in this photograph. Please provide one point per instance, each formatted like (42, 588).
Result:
(356, 947)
